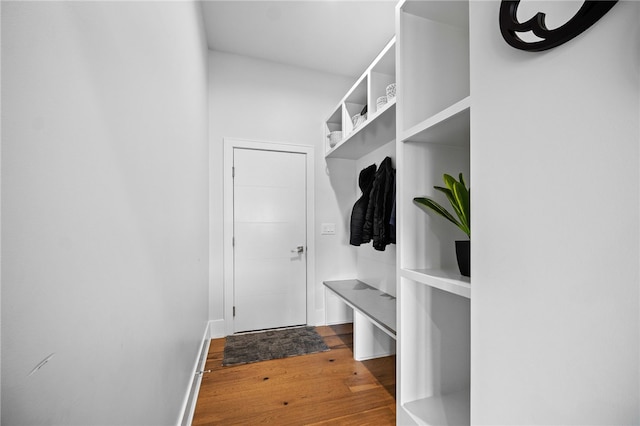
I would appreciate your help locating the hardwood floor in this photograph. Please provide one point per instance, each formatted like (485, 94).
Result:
(317, 389)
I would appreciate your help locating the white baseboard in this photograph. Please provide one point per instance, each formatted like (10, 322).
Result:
(191, 397)
(216, 329)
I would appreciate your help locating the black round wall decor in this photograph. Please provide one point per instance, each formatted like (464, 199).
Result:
(588, 15)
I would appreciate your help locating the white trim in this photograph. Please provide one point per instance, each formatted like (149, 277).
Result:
(216, 329)
(191, 396)
(229, 145)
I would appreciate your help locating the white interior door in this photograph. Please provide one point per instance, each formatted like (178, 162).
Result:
(269, 225)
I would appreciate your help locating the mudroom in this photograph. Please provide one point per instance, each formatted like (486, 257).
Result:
(244, 212)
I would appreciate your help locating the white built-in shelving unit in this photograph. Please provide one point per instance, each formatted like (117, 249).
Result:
(430, 122)
(374, 311)
(380, 126)
(433, 138)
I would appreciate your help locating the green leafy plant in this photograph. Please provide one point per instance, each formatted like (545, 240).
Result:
(459, 196)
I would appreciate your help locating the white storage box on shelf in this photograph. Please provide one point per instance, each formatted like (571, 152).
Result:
(381, 102)
(391, 91)
(334, 137)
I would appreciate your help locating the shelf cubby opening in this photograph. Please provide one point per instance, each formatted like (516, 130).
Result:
(354, 103)
(434, 354)
(368, 137)
(383, 73)
(434, 58)
(428, 240)
(333, 123)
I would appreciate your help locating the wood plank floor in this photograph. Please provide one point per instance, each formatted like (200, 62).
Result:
(316, 389)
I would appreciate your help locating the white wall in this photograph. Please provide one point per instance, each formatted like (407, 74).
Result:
(555, 172)
(104, 210)
(265, 101)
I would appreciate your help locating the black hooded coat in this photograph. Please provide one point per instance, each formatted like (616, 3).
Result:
(365, 182)
(377, 223)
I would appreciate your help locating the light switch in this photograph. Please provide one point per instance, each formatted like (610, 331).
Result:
(328, 229)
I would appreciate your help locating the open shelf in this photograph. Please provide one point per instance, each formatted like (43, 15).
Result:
(449, 409)
(378, 130)
(450, 126)
(446, 280)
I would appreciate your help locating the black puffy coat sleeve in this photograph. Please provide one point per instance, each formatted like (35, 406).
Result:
(358, 214)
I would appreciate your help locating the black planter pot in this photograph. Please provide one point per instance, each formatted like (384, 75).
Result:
(463, 254)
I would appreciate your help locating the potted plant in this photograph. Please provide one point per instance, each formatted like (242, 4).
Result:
(459, 196)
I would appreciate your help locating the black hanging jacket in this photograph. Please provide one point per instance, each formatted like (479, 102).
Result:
(378, 217)
(365, 182)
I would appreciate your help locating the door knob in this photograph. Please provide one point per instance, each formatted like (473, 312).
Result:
(299, 249)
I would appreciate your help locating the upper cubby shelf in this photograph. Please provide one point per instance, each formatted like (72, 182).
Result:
(366, 116)
(433, 69)
(371, 135)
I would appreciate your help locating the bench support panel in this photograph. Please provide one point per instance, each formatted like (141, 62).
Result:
(369, 341)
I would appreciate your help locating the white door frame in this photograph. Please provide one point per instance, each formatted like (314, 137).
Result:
(229, 145)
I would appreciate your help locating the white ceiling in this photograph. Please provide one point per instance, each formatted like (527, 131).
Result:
(339, 37)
